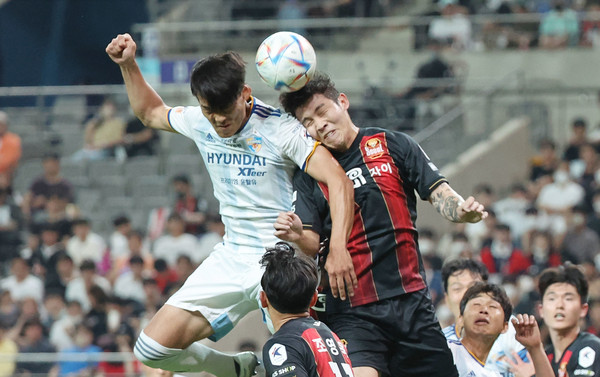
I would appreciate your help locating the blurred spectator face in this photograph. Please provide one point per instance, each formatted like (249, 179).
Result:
(180, 188)
(56, 204)
(108, 110)
(184, 267)
(49, 237)
(83, 336)
(74, 311)
(547, 152)
(561, 307)
(540, 244)
(175, 227)
(65, 266)
(51, 166)
(33, 332)
(561, 175)
(54, 305)
(588, 154)
(20, 268)
(81, 230)
(427, 246)
(502, 235)
(137, 268)
(579, 130)
(29, 308)
(88, 276)
(135, 243)
(458, 283)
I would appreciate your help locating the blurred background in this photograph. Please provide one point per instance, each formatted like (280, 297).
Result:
(102, 219)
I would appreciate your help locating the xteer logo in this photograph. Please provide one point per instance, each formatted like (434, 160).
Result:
(373, 148)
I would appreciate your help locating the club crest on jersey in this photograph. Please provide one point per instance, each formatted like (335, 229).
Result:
(254, 143)
(586, 357)
(374, 148)
(277, 354)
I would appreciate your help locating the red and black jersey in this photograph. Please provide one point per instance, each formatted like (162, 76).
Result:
(387, 168)
(580, 358)
(304, 347)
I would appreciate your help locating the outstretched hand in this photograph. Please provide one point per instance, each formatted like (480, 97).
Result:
(527, 331)
(288, 226)
(122, 49)
(471, 211)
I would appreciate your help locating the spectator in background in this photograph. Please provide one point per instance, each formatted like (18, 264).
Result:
(83, 338)
(50, 183)
(63, 273)
(11, 224)
(10, 149)
(164, 276)
(139, 140)
(479, 232)
(53, 309)
(589, 169)
(54, 212)
(7, 348)
(580, 244)
(129, 285)
(291, 10)
(188, 205)
(33, 340)
(62, 331)
(502, 256)
(97, 317)
(102, 134)
(9, 309)
(578, 138)
(78, 288)
(21, 283)
(590, 29)
(511, 210)
(546, 162)
(119, 243)
(184, 268)
(215, 230)
(542, 252)
(594, 218)
(452, 29)
(135, 247)
(177, 242)
(85, 244)
(559, 27)
(43, 258)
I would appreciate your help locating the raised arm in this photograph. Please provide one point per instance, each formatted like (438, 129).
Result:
(454, 208)
(145, 102)
(528, 334)
(324, 168)
(288, 227)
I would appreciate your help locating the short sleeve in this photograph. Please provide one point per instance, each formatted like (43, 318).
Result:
(305, 203)
(414, 164)
(282, 359)
(178, 119)
(294, 142)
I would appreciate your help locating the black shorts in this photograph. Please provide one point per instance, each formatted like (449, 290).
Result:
(400, 336)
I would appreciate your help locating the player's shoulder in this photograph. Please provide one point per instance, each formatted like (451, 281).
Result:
(450, 332)
(588, 339)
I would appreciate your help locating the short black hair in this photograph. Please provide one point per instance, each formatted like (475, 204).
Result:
(319, 84)
(569, 274)
(87, 265)
(121, 220)
(453, 266)
(80, 221)
(136, 259)
(290, 278)
(183, 178)
(579, 122)
(494, 290)
(219, 80)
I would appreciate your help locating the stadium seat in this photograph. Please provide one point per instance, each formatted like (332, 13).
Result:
(142, 166)
(112, 186)
(98, 170)
(150, 185)
(184, 164)
(177, 144)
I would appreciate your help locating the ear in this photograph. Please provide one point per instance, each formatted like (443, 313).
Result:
(343, 101)
(264, 301)
(314, 299)
(584, 310)
(246, 92)
(505, 328)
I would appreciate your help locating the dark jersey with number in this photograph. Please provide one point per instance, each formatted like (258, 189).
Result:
(304, 347)
(580, 358)
(386, 168)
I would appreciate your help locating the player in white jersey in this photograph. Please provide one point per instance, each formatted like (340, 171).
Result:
(485, 311)
(458, 275)
(251, 152)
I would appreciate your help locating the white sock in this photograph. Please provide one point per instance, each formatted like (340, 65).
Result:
(195, 358)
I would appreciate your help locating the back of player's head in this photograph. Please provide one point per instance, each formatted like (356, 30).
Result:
(459, 265)
(569, 274)
(494, 291)
(319, 84)
(219, 80)
(290, 279)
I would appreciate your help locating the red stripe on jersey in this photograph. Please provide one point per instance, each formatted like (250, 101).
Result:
(320, 351)
(387, 177)
(362, 258)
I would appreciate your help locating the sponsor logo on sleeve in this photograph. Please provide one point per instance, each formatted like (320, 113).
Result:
(586, 357)
(277, 354)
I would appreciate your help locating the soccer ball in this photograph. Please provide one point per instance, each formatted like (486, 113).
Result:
(286, 61)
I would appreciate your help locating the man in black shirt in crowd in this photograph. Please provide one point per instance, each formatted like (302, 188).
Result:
(564, 293)
(389, 322)
(300, 346)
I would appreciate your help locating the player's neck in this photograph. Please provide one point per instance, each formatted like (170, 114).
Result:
(561, 339)
(479, 346)
(279, 319)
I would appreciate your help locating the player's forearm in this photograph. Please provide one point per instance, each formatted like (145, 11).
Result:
(341, 203)
(308, 242)
(142, 97)
(447, 201)
(540, 362)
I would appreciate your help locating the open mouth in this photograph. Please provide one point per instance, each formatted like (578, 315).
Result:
(328, 134)
(559, 316)
(482, 321)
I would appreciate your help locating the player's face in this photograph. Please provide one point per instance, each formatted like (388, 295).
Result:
(229, 121)
(561, 307)
(458, 284)
(484, 316)
(328, 121)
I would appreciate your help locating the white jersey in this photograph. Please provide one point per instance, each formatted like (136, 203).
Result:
(506, 344)
(251, 171)
(466, 363)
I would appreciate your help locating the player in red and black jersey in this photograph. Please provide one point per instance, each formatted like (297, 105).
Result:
(389, 320)
(301, 346)
(564, 293)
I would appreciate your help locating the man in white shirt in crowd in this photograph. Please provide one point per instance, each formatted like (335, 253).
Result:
(85, 244)
(77, 289)
(21, 283)
(129, 285)
(176, 242)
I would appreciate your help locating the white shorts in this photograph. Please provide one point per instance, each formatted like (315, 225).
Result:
(224, 288)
